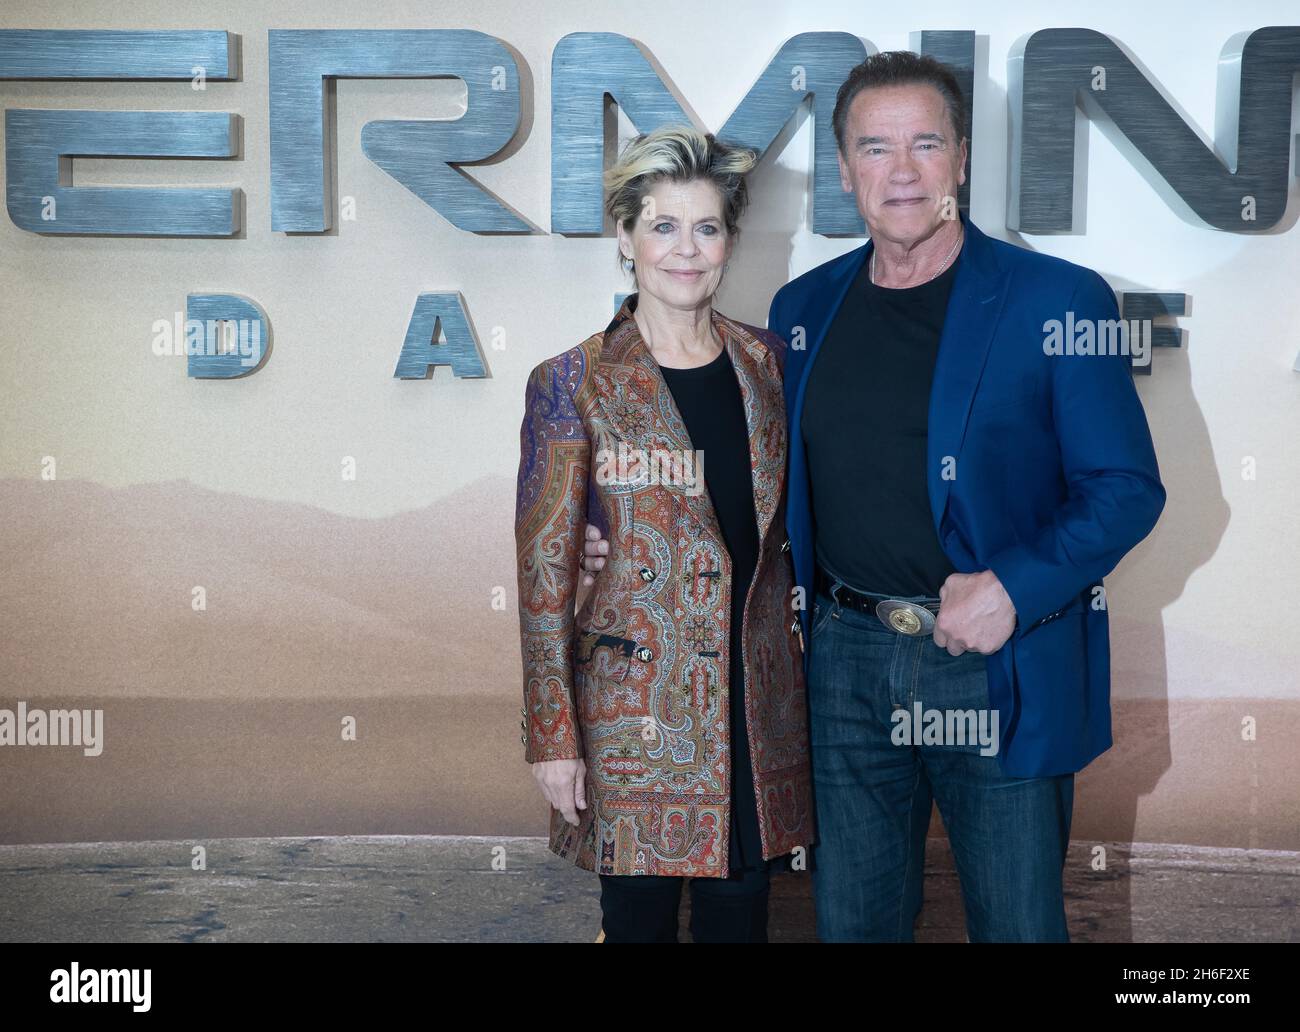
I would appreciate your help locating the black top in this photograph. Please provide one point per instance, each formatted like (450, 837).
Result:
(865, 421)
(708, 398)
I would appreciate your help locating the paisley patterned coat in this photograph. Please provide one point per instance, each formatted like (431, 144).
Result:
(636, 683)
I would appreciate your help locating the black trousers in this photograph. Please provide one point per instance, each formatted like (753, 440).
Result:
(643, 908)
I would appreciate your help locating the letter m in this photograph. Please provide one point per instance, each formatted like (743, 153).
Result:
(588, 67)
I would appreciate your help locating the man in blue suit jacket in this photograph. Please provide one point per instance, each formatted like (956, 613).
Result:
(975, 446)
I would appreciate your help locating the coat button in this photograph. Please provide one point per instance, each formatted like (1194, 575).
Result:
(644, 654)
(523, 740)
(794, 627)
(785, 545)
(647, 574)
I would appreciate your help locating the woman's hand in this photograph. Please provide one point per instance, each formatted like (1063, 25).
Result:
(564, 783)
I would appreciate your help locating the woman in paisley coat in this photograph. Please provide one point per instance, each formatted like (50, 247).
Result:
(666, 720)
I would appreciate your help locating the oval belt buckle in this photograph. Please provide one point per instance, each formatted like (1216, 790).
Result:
(905, 617)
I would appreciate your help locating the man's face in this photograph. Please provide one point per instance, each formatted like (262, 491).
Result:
(901, 161)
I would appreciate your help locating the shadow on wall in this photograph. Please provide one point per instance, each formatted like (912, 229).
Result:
(1110, 791)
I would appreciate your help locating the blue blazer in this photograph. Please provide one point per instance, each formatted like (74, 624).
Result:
(1040, 468)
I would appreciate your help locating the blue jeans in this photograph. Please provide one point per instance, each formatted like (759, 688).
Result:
(874, 785)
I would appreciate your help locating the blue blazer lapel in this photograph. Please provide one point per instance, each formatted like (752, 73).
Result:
(815, 310)
(819, 308)
(978, 294)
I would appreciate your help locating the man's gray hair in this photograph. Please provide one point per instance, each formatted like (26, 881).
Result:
(900, 68)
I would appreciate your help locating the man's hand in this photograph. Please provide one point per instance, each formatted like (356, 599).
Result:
(564, 783)
(593, 548)
(975, 615)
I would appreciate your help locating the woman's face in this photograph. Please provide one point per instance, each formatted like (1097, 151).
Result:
(679, 243)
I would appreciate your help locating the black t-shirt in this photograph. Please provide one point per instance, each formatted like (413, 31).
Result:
(708, 398)
(865, 423)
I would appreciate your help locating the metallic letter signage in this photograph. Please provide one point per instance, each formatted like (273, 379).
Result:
(588, 65)
(1051, 71)
(39, 145)
(418, 154)
(460, 351)
(249, 337)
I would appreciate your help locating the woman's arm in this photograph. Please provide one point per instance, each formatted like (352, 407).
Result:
(550, 512)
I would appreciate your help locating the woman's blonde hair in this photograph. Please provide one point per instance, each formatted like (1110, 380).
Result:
(678, 153)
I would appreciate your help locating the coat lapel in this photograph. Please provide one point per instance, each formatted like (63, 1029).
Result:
(978, 292)
(640, 410)
(819, 310)
(761, 394)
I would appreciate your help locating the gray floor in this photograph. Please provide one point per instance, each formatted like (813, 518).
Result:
(456, 889)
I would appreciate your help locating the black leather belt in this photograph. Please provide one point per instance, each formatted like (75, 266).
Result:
(898, 615)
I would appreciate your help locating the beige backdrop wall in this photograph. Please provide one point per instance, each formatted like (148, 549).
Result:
(390, 598)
